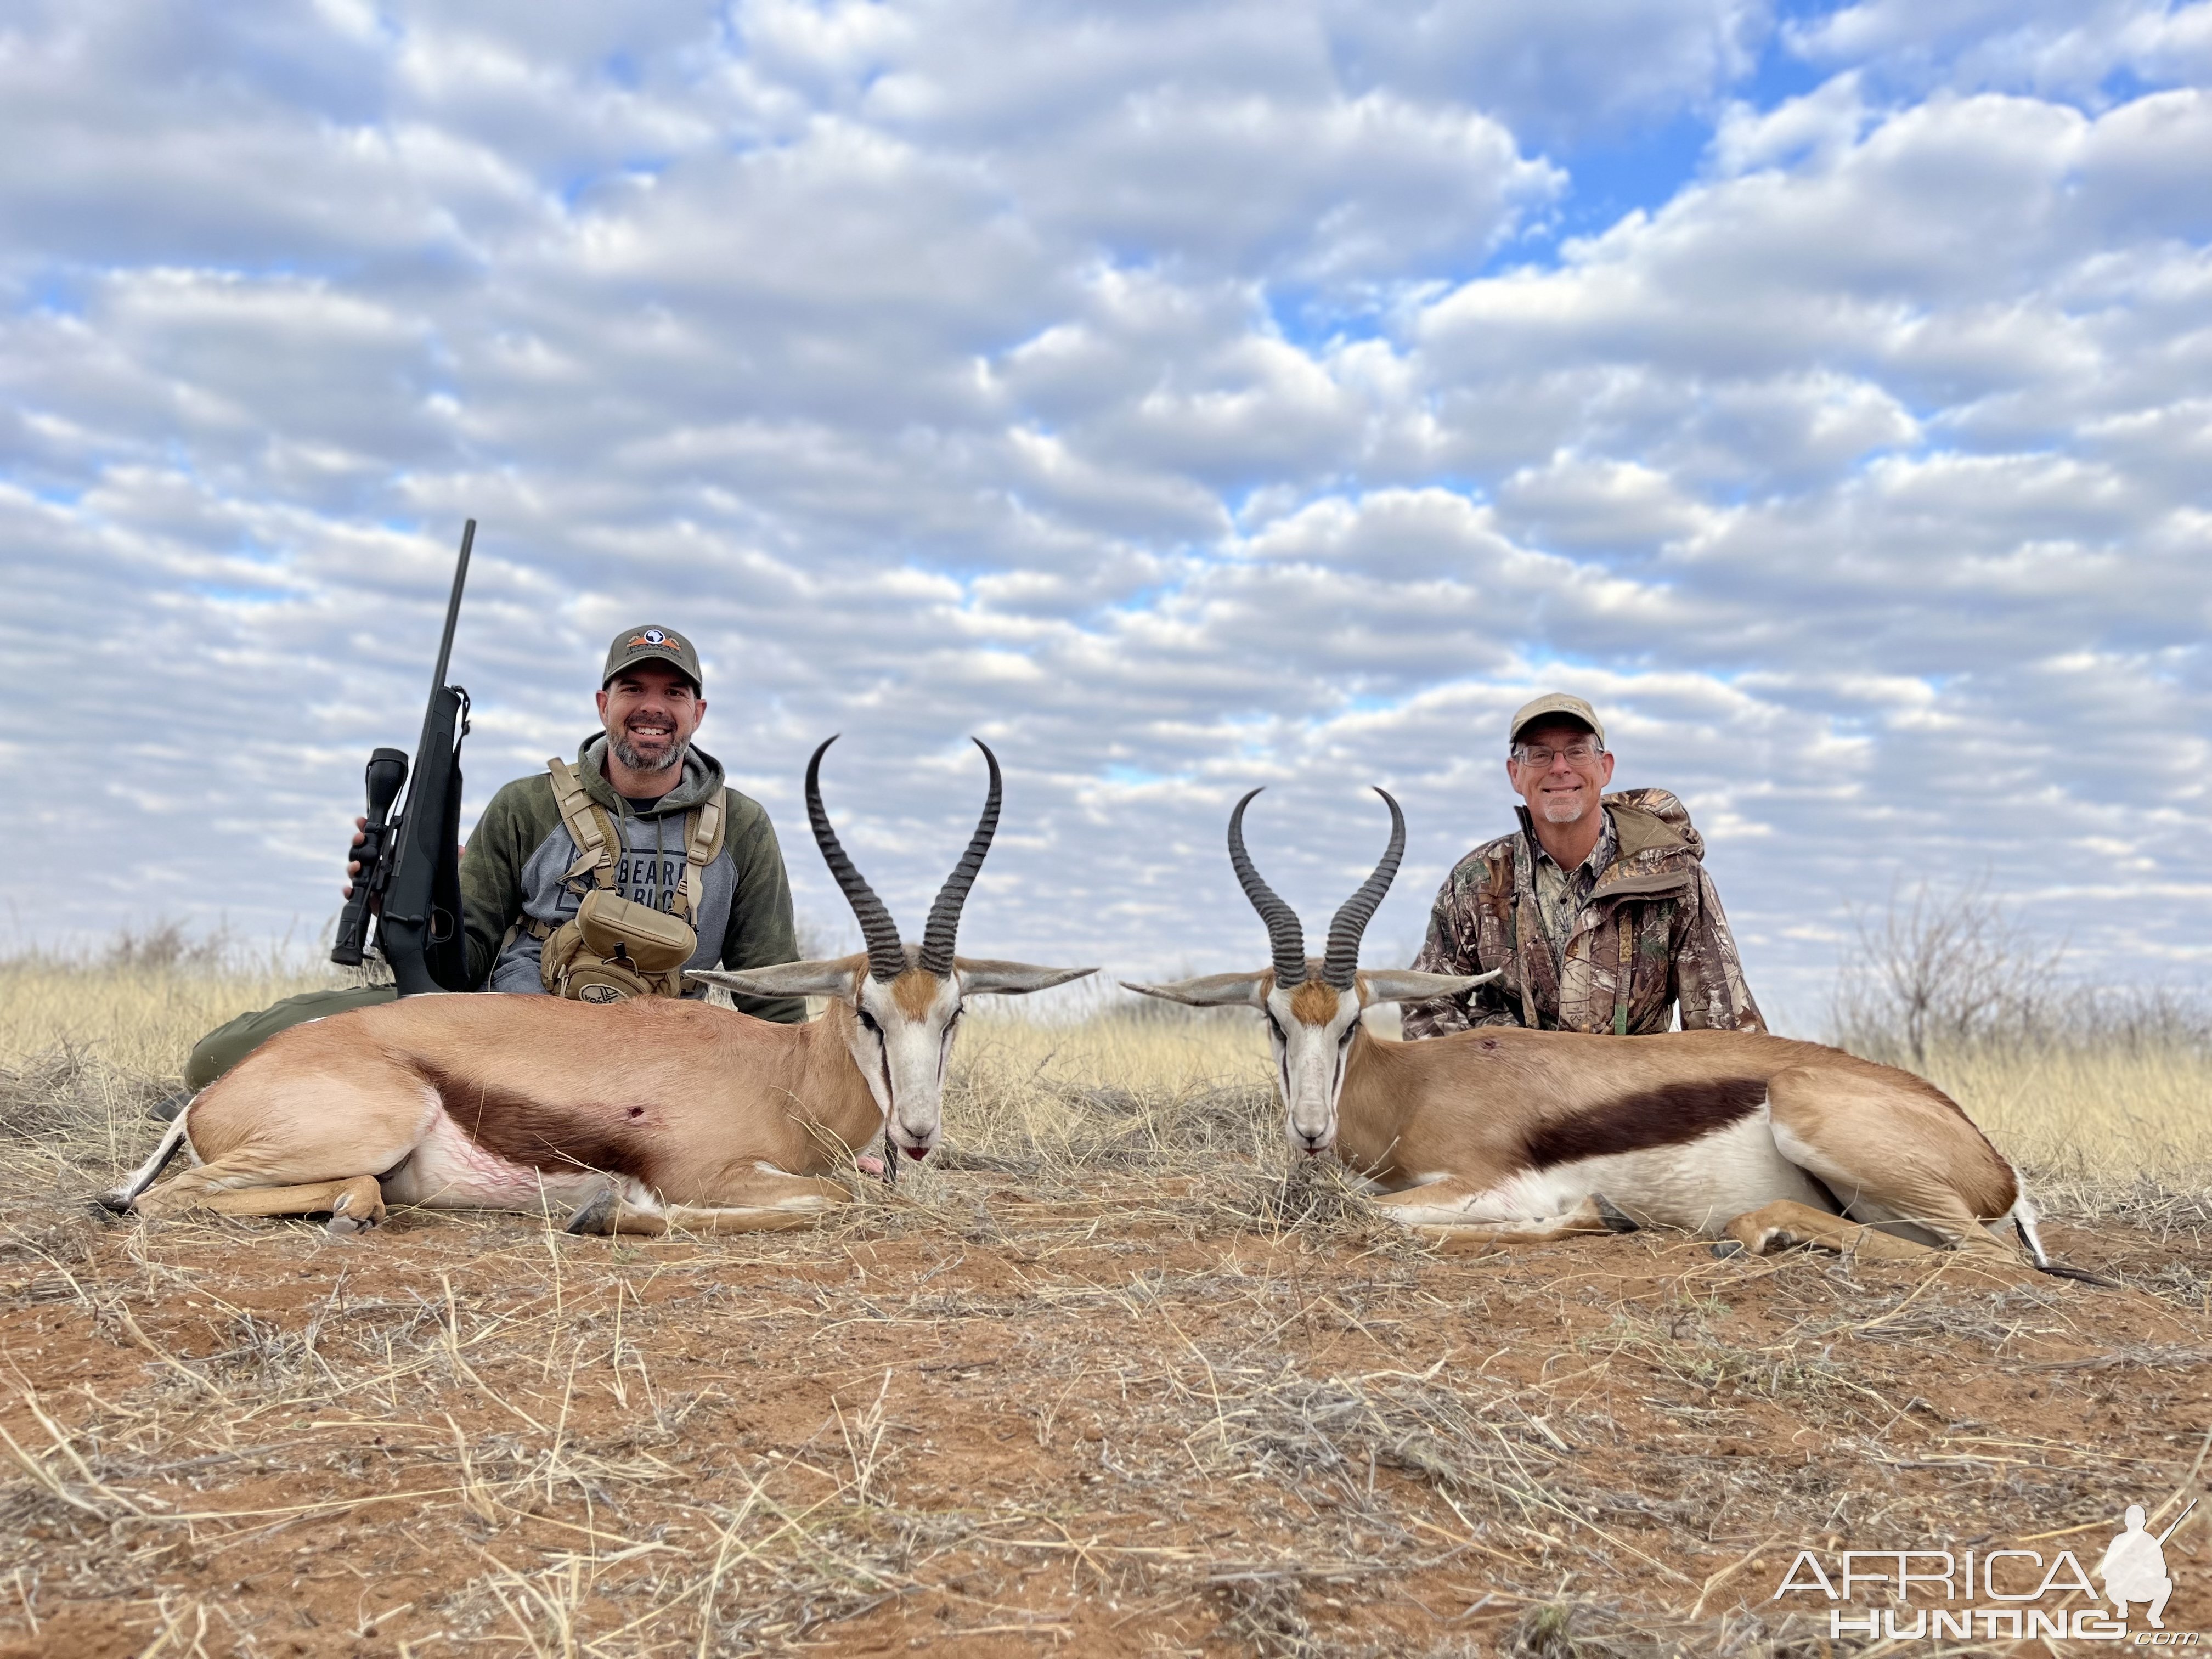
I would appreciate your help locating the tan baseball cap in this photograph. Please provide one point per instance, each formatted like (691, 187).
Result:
(1559, 705)
(649, 643)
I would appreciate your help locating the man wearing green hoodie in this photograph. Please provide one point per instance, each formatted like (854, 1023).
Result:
(517, 884)
(523, 872)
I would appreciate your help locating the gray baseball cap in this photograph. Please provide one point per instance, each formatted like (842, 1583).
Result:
(649, 643)
(1558, 705)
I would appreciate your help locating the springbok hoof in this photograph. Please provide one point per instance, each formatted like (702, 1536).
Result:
(1728, 1247)
(1616, 1220)
(344, 1223)
(104, 1204)
(597, 1217)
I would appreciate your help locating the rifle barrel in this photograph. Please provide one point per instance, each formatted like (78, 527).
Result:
(424, 771)
(453, 608)
(445, 651)
(2177, 1520)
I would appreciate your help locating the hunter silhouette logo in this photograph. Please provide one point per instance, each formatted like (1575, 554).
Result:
(2134, 1567)
(2008, 1593)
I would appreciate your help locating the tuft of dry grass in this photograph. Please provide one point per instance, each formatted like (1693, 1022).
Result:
(1118, 1377)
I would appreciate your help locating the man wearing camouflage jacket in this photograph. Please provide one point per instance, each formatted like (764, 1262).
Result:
(1598, 908)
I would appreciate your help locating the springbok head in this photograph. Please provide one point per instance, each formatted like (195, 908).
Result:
(905, 1000)
(1313, 1006)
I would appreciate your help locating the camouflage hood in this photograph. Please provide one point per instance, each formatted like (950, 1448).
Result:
(1658, 850)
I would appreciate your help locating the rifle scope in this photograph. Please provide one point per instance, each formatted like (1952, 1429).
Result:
(387, 774)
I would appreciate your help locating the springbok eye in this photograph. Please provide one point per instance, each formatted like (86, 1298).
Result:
(1348, 1030)
(868, 1021)
(1275, 1025)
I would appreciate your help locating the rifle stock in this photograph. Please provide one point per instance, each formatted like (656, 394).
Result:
(410, 879)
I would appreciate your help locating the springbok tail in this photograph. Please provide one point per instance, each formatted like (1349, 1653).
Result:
(2022, 1216)
(146, 1173)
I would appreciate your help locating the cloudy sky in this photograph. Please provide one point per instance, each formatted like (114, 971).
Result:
(1181, 397)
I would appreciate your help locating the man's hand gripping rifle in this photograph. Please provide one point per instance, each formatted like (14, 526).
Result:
(410, 867)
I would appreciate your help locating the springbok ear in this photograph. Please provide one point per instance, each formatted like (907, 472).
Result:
(1409, 985)
(785, 979)
(980, 977)
(1213, 991)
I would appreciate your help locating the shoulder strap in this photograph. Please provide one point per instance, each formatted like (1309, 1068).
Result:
(704, 827)
(588, 824)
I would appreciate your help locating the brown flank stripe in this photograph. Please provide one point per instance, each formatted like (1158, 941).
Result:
(1669, 1116)
(509, 1124)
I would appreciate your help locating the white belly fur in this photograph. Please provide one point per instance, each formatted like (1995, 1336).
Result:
(449, 1172)
(1699, 1185)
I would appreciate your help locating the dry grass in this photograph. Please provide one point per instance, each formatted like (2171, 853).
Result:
(1112, 1381)
(2102, 1127)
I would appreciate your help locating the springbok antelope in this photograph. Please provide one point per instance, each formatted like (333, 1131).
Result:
(1497, 1134)
(648, 1115)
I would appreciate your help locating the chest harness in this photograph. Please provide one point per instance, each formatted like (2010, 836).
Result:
(614, 948)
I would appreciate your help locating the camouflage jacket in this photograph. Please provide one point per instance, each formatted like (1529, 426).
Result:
(1651, 934)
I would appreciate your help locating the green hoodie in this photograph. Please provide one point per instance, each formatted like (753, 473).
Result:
(517, 859)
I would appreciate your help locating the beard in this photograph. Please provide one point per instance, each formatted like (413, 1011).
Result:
(641, 760)
(1569, 810)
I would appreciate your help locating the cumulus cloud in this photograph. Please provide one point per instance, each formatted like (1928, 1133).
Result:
(2062, 48)
(1560, 70)
(1165, 394)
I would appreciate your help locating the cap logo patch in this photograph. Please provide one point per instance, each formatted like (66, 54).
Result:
(650, 636)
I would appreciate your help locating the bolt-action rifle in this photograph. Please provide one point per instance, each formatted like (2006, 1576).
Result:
(410, 866)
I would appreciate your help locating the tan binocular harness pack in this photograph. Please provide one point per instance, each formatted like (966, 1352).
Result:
(614, 948)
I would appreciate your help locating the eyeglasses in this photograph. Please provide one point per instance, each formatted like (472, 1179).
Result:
(1536, 755)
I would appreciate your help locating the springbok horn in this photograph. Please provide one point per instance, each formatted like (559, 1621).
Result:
(1285, 937)
(886, 956)
(944, 915)
(1342, 961)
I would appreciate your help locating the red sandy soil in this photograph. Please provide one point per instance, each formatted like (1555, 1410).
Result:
(1001, 1425)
